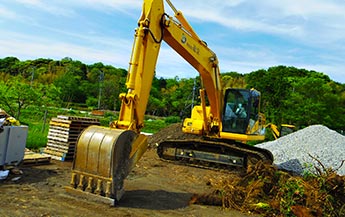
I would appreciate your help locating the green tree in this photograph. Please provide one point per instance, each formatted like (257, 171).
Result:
(69, 84)
(178, 95)
(275, 86)
(299, 97)
(16, 94)
(156, 105)
(104, 84)
(8, 65)
(313, 102)
(233, 80)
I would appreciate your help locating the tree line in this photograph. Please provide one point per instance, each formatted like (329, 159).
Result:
(289, 95)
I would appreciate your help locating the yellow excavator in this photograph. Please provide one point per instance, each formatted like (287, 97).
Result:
(225, 119)
(284, 129)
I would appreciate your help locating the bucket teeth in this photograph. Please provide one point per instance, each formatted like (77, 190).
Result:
(99, 187)
(73, 180)
(108, 189)
(92, 184)
(81, 183)
(89, 185)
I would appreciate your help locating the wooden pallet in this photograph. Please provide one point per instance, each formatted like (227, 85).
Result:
(84, 119)
(61, 147)
(58, 153)
(32, 158)
(63, 135)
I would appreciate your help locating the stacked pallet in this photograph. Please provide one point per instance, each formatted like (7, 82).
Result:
(63, 134)
(33, 158)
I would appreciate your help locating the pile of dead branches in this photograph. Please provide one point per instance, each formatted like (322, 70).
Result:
(266, 190)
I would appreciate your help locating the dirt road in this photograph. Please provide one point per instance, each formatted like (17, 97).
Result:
(154, 188)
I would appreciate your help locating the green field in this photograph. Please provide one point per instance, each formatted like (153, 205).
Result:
(37, 120)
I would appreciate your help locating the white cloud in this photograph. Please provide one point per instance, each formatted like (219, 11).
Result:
(253, 57)
(30, 2)
(33, 47)
(299, 29)
(106, 6)
(171, 64)
(306, 8)
(322, 20)
(47, 6)
(6, 13)
(312, 22)
(115, 4)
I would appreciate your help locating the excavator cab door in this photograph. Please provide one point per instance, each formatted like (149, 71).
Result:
(240, 108)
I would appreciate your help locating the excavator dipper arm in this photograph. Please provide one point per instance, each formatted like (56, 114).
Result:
(105, 156)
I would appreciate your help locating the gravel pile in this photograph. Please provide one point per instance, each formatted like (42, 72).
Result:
(291, 152)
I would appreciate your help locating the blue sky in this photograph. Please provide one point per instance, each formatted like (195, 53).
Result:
(246, 35)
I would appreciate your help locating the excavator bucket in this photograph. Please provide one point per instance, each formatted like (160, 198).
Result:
(103, 159)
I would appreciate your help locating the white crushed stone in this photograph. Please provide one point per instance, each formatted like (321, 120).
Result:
(291, 152)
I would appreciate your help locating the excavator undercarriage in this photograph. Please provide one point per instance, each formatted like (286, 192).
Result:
(212, 154)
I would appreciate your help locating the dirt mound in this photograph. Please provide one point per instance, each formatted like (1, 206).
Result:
(173, 131)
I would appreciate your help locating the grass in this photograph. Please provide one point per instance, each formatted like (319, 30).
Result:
(36, 138)
(37, 119)
(153, 126)
(37, 128)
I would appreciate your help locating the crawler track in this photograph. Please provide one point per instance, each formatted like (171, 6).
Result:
(212, 154)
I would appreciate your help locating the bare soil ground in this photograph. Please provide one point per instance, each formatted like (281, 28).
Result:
(158, 188)
(154, 188)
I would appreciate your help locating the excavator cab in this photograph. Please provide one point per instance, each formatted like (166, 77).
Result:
(241, 110)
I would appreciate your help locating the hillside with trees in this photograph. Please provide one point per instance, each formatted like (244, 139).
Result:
(289, 95)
